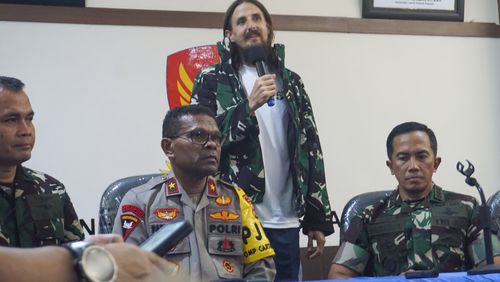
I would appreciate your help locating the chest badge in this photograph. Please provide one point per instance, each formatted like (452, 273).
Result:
(228, 266)
(223, 200)
(166, 213)
(225, 246)
(224, 215)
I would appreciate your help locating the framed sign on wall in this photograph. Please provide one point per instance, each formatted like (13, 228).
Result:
(70, 3)
(436, 10)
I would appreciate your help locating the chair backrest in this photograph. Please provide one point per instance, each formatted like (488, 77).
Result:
(356, 205)
(111, 198)
(494, 204)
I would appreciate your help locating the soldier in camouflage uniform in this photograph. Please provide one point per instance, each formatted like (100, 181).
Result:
(272, 152)
(419, 226)
(34, 207)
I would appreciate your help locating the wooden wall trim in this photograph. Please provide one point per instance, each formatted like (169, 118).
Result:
(105, 16)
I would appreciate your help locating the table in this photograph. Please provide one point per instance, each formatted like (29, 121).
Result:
(443, 277)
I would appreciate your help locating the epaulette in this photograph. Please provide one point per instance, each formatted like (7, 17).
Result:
(227, 184)
(153, 183)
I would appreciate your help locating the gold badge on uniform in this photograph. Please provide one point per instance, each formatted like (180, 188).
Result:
(228, 266)
(223, 200)
(166, 213)
(224, 215)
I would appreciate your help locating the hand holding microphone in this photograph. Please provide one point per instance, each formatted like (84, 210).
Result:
(257, 56)
(263, 90)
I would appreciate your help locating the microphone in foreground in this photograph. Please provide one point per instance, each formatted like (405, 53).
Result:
(485, 219)
(257, 55)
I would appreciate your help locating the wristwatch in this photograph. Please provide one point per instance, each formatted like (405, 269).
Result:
(92, 263)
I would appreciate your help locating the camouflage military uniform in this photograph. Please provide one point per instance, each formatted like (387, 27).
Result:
(38, 212)
(389, 237)
(227, 241)
(219, 88)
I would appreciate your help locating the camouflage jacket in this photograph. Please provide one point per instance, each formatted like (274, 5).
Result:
(219, 88)
(439, 232)
(37, 213)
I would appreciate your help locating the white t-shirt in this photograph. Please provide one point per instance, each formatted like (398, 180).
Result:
(277, 210)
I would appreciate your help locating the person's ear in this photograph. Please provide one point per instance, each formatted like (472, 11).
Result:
(166, 146)
(388, 163)
(437, 162)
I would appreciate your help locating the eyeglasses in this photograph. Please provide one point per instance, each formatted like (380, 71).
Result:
(201, 137)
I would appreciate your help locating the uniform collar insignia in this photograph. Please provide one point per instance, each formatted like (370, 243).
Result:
(394, 199)
(172, 187)
(212, 188)
(437, 194)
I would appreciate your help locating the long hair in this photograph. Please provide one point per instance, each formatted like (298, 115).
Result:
(235, 56)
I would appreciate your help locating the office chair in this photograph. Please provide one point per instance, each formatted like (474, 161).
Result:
(356, 206)
(494, 204)
(112, 196)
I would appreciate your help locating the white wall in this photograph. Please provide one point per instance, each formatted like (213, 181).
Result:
(99, 97)
(475, 10)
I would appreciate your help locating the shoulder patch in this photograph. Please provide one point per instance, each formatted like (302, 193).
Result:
(129, 223)
(133, 209)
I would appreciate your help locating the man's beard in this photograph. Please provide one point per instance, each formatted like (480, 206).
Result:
(264, 45)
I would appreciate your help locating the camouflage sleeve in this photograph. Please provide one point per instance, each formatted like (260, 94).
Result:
(130, 219)
(233, 117)
(352, 256)
(475, 237)
(354, 252)
(318, 214)
(477, 251)
(72, 229)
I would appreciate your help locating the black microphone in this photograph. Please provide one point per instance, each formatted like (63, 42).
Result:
(485, 220)
(257, 55)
